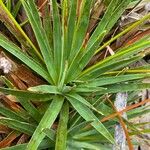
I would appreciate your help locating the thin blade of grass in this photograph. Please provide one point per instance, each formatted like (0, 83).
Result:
(16, 9)
(47, 25)
(115, 10)
(77, 128)
(63, 60)
(16, 147)
(102, 24)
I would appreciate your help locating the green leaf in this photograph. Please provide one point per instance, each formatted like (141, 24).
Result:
(30, 108)
(45, 89)
(88, 115)
(26, 94)
(58, 50)
(125, 87)
(7, 82)
(101, 81)
(85, 145)
(44, 145)
(82, 59)
(120, 8)
(20, 126)
(40, 34)
(77, 128)
(47, 25)
(88, 89)
(114, 10)
(102, 24)
(81, 28)
(79, 98)
(10, 114)
(138, 112)
(16, 9)
(46, 122)
(132, 26)
(50, 133)
(8, 5)
(29, 61)
(123, 53)
(61, 137)
(71, 25)
(18, 32)
(97, 71)
(16, 147)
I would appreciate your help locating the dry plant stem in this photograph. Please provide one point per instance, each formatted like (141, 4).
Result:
(125, 110)
(8, 140)
(42, 5)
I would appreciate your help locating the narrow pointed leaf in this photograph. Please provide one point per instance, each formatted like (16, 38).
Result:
(18, 125)
(30, 108)
(58, 51)
(116, 7)
(82, 59)
(88, 115)
(18, 32)
(79, 127)
(125, 87)
(30, 62)
(26, 94)
(71, 24)
(39, 32)
(46, 122)
(115, 79)
(96, 72)
(16, 147)
(122, 53)
(50, 133)
(45, 89)
(79, 98)
(61, 137)
(10, 114)
(81, 28)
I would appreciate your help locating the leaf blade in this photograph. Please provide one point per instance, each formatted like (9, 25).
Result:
(46, 122)
(87, 114)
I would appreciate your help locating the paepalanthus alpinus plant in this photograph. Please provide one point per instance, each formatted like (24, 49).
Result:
(73, 94)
